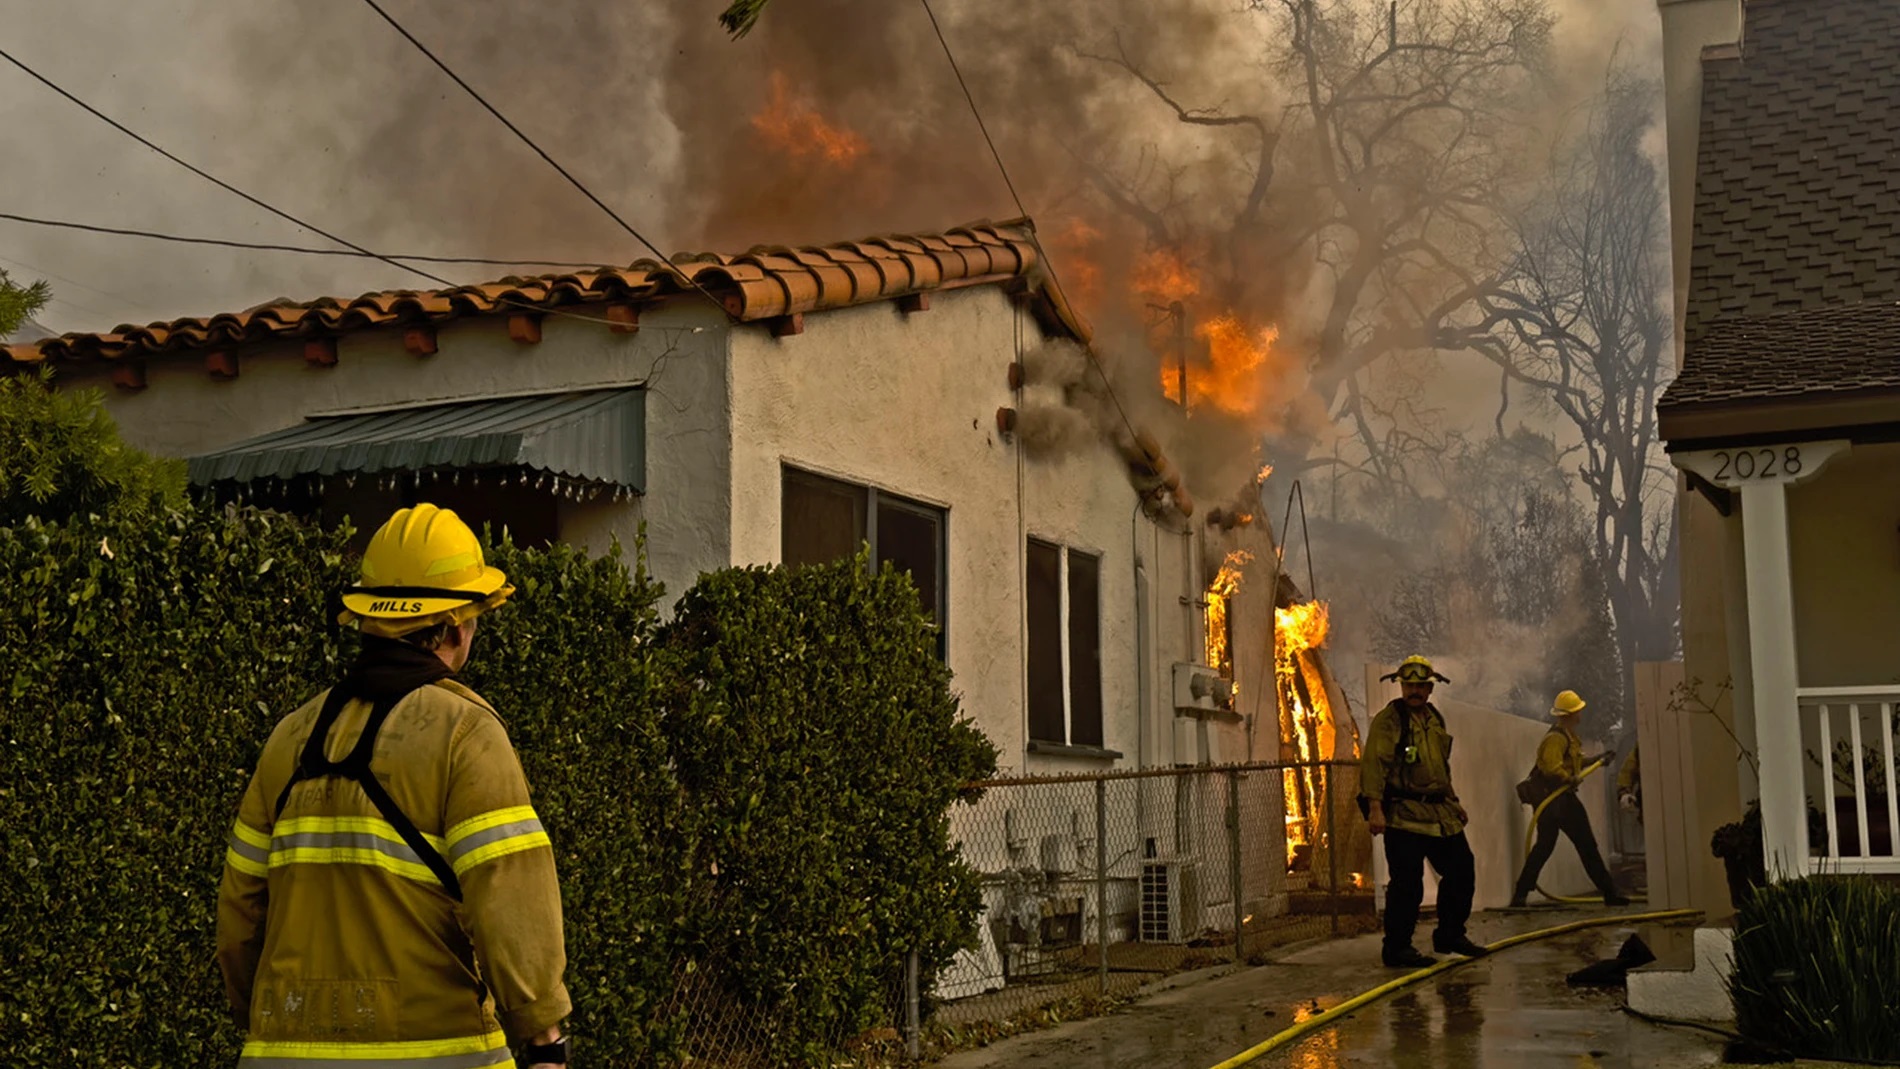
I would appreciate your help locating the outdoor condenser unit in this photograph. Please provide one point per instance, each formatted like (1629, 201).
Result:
(1169, 894)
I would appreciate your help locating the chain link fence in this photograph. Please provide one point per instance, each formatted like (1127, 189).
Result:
(1094, 886)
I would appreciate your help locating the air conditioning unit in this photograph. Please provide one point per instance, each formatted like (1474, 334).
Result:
(1170, 895)
(1199, 690)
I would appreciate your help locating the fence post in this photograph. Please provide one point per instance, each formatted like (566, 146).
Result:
(913, 1032)
(1101, 877)
(1332, 844)
(1233, 859)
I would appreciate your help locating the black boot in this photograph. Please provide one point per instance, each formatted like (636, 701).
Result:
(1461, 944)
(1406, 957)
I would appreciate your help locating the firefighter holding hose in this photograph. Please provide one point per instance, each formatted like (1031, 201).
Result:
(1407, 795)
(1553, 783)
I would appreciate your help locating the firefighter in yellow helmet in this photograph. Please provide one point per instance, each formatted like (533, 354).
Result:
(389, 896)
(1560, 765)
(1406, 792)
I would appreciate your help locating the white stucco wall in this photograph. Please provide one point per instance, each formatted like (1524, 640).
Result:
(184, 411)
(907, 403)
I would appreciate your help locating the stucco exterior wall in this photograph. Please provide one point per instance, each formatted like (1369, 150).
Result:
(681, 351)
(906, 403)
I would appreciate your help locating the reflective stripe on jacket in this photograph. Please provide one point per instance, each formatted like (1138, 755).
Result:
(340, 947)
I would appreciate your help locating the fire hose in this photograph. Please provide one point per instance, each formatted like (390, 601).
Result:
(1321, 1020)
(1530, 834)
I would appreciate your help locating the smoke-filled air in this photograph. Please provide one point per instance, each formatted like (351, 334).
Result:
(1412, 256)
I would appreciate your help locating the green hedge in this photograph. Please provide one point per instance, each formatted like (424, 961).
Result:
(820, 749)
(145, 662)
(1817, 968)
(748, 803)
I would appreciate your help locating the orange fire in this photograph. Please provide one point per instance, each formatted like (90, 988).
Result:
(1266, 472)
(1163, 277)
(793, 125)
(1075, 243)
(1307, 720)
(1220, 594)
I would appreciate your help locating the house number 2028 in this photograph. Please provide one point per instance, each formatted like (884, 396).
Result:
(1764, 463)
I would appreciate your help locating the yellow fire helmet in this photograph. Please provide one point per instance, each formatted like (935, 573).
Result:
(1567, 704)
(424, 567)
(1415, 669)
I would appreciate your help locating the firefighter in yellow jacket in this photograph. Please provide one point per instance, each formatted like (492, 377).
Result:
(389, 897)
(1560, 765)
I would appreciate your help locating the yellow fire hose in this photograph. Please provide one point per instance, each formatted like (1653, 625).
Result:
(1530, 834)
(1321, 1020)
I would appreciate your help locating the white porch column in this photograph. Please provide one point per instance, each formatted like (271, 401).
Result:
(1784, 803)
(1763, 474)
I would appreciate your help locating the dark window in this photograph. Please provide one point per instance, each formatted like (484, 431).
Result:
(1085, 649)
(1048, 721)
(823, 520)
(1065, 645)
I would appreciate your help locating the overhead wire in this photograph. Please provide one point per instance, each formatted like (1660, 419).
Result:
(538, 150)
(265, 246)
(1034, 240)
(279, 212)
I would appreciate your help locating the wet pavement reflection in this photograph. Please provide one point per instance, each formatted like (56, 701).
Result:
(1509, 1011)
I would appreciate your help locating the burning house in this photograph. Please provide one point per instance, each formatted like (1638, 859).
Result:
(930, 396)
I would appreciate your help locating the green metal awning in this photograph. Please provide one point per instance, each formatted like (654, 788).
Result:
(594, 435)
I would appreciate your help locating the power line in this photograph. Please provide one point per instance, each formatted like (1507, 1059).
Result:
(1034, 239)
(528, 141)
(273, 209)
(303, 250)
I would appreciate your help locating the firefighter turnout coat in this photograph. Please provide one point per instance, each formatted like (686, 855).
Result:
(342, 945)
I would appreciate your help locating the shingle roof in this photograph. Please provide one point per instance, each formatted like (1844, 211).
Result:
(1798, 167)
(762, 284)
(1826, 351)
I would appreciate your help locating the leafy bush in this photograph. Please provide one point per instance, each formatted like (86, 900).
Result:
(1817, 968)
(820, 749)
(748, 806)
(145, 662)
(61, 457)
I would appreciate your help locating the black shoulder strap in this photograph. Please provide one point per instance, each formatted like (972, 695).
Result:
(313, 764)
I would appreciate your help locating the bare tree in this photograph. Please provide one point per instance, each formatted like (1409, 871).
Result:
(1386, 164)
(1584, 320)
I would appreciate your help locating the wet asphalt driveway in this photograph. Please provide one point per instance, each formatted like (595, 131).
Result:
(1511, 1010)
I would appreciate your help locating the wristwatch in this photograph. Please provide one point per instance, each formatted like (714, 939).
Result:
(554, 1053)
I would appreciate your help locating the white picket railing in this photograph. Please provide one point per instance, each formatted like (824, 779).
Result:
(1820, 707)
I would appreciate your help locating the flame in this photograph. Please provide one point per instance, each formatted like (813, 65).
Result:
(1307, 720)
(1219, 599)
(794, 126)
(1266, 471)
(1077, 242)
(1164, 277)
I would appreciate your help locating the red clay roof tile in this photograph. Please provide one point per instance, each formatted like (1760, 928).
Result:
(764, 283)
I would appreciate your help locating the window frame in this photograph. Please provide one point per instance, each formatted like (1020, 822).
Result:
(1067, 653)
(874, 499)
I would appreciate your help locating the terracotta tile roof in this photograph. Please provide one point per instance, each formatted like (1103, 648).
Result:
(1798, 167)
(765, 283)
(1813, 353)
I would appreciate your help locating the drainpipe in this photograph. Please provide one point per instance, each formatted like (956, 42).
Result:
(1144, 643)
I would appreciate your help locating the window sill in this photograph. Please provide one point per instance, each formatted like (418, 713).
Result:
(1062, 749)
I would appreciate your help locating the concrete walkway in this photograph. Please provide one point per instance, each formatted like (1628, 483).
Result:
(1510, 1010)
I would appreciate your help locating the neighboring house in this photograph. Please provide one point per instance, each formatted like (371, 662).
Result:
(1784, 153)
(859, 393)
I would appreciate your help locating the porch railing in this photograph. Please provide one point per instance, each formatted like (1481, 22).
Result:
(1851, 775)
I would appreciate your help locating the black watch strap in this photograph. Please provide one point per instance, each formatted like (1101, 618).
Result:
(554, 1053)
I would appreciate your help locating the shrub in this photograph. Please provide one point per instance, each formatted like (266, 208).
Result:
(566, 663)
(145, 663)
(749, 806)
(1817, 968)
(820, 749)
(61, 457)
